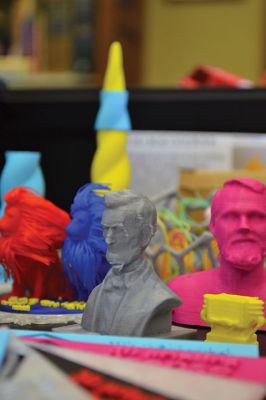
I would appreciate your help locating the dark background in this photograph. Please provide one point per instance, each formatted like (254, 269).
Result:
(59, 124)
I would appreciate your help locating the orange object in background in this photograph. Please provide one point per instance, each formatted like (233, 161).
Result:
(263, 80)
(207, 76)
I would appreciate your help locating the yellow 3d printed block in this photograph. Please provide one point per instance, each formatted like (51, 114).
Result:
(232, 318)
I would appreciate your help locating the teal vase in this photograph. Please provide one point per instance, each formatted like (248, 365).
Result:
(22, 168)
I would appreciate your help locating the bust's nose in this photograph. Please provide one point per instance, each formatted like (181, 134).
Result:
(108, 235)
(244, 222)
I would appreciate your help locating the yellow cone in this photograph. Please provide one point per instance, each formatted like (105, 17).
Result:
(111, 164)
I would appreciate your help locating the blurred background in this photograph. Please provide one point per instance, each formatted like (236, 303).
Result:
(64, 43)
(183, 143)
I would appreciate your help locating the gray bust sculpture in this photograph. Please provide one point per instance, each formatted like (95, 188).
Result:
(132, 300)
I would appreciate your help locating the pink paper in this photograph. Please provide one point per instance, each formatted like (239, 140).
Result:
(242, 368)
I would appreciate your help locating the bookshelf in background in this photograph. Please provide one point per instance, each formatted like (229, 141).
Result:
(121, 20)
(65, 30)
(84, 35)
(55, 34)
(4, 27)
(71, 37)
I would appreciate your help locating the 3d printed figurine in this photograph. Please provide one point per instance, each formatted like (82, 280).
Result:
(32, 230)
(132, 300)
(238, 222)
(22, 168)
(233, 319)
(111, 164)
(83, 253)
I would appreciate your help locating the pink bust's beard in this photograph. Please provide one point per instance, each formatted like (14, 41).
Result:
(243, 255)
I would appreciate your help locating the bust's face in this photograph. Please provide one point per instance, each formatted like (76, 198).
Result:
(121, 233)
(240, 227)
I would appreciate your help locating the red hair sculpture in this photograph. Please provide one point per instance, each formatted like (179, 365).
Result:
(32, 231)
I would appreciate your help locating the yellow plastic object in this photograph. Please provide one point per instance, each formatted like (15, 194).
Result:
(73, 305)
(22, 300)
(114, 78)
(24, 303)
(49, 303)
(255, 164)
(111, 163)
(33, 300)
(13, 299)
(19, 307)
(232, 318)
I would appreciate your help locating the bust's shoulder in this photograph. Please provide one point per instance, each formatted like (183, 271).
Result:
(193, 281)
(154, 289)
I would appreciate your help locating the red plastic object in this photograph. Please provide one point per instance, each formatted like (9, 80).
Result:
(107, 388)
(263, 80)
(207, 76)
(32, 231)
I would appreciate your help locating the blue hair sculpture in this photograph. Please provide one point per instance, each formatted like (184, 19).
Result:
(84, 249)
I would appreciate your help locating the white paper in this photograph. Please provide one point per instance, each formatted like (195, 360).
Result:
(157, 156)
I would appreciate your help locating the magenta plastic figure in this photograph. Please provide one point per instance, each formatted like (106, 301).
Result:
(238, 222)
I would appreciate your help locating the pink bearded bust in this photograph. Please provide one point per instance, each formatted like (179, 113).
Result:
(238, 222)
